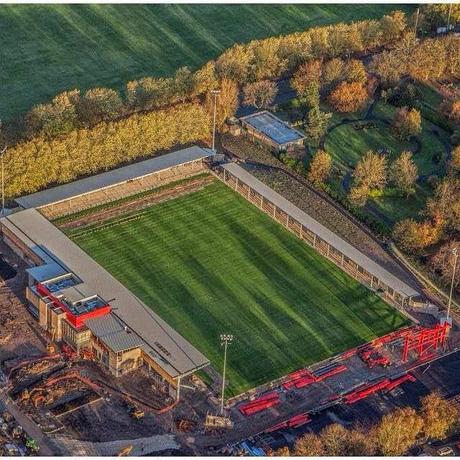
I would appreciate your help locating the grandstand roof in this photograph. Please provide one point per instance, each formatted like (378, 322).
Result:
(327, 235)
(167, 348)
(273, 127)
(111, 178)
(113, 333)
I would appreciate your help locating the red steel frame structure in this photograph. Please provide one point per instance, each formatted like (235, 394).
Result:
(423, 340)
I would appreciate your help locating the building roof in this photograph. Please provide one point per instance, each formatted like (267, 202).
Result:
(167, 347)
(110, 331)
(111, 178)
(78, 292)
(273, 127)
(46, 272)
(327, 235)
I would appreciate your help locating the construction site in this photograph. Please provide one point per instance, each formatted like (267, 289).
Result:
(99, 373)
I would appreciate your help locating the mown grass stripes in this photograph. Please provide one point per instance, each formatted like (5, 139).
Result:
(209, 262)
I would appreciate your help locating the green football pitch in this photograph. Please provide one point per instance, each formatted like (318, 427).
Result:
(211, 263)
(46, 49)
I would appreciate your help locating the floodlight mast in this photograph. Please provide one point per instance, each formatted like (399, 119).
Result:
(215, 93)
(3, 175)
(225, 339)
(455, 254)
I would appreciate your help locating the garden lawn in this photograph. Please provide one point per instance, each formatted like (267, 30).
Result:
(210, 262)
(47, 49)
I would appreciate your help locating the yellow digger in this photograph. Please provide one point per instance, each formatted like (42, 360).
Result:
(125, 451)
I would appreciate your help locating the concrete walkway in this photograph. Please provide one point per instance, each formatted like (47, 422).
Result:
(140, 446)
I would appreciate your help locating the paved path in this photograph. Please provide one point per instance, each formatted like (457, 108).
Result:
(140, 446)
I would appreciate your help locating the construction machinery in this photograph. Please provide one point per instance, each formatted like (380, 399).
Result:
(185, 425)
(136, 413)
(125, 451)
(217, 422)
(32, 445)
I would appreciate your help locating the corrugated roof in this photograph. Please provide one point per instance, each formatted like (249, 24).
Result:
(111, 178)
(176, 355)
(104, 325)
(113, 334)
(320, 230)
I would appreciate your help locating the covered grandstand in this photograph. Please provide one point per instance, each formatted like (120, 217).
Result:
(118, 183)
(326, 242)
(54, 256)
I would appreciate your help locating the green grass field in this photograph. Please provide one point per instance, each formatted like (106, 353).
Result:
(210, 262)
(51, 48)
(347, 145)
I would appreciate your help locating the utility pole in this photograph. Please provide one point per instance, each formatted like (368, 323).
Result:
(215, 93)
(448, 17)
(455, 254)
(225, 339)
(416, 25)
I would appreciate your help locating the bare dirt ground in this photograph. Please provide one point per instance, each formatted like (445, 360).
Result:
(137, 203)
(107, 418)
(271, 171)
(19, 336)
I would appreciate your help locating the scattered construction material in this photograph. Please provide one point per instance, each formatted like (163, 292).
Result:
(259, 404)
(303, 377)
(293, 422)
(396, 382)
(217, 422)
(368, 389)
(372, 357)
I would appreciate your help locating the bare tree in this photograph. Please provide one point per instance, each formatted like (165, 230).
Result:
(260, 94)
(439, 415)
(309, 445)
(398, 431)
(442, 263)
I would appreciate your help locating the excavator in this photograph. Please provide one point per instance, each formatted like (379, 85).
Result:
(125, 451)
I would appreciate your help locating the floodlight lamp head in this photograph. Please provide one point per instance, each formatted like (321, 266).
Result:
(455, 252)
(215, 91)
(226, 338)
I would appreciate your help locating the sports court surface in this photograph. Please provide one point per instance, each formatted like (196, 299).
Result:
(210, 262)
(272, 127)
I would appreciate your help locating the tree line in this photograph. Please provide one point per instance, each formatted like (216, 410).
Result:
(394, 435)
(39, 162)
(256, 61)
(79, 115)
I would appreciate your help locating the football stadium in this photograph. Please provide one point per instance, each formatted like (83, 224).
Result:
(176, 250)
